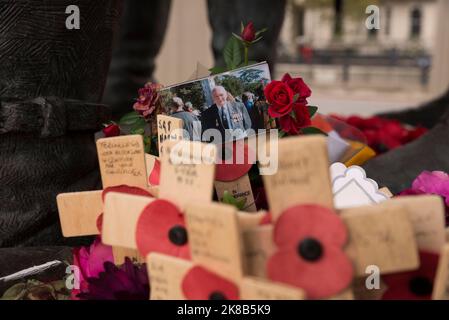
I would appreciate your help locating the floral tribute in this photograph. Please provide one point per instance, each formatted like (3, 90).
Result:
(383, 135)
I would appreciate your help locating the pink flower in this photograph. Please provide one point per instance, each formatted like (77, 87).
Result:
(436, 182)
(148, 98)
(90, 261)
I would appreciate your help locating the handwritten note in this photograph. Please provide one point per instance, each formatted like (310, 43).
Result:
(214, 238)
(381, 235)
(122, 161)
(189, 180)
(166, 277)
(259, 289)
(427, 215)
(302, 176)
(168, 129)
(239, 189)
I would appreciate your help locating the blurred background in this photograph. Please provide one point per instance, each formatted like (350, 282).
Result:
(351, 69)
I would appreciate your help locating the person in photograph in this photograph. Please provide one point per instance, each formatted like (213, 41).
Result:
(191, 123)
(225, 114)
(189, 108)
(253, 110)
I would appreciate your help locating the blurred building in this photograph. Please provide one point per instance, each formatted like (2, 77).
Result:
(405, 25)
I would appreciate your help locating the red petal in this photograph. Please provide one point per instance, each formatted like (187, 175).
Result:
(313, 221)
(126, 189)
(199, 284)
(233, 171)
(155, 173)
(99, 222)
(153, 227)
(323, 278)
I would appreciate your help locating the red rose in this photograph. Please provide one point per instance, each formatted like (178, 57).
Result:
(299, 87)
(293, 125)
(280, 97)
(249, 33)
(111, 130)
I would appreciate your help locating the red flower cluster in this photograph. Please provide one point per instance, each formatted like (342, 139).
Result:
(383, 134)
(288, 102)
(310, 241)
(148, 98)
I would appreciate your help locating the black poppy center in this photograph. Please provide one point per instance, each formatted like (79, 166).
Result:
(178, 235)
(310, 249)
(217, 295)
(421, 286)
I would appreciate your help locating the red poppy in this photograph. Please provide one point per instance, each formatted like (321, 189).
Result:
(201, 284)
(239, 166)
(161, 228)
(121, 189)
(155, 174)
(310, 239)
(413, 285)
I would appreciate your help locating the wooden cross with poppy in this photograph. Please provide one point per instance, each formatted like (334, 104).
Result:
(216, 270)
(123, 167)
(149, 224)
(312, 246)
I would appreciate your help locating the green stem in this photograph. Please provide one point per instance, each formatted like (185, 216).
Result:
(246, 55)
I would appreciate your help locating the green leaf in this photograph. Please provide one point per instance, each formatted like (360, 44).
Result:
(16, 292)
(257, 40)
(312, 130)
(230, 199)
(293, 115)
(312, 110)
(233, 53)
(130, 119)
(295, 97)
(242, 27)
(281, 134)
(261, 31)
(217, 70)
(139, 131)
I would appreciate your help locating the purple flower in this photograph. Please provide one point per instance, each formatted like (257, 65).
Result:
(127, 282)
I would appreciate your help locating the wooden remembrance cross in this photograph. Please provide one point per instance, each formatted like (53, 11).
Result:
(122, 162)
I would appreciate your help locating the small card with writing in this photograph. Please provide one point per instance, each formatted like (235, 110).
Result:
(381, 235)
(187, 172)
(122, 161)
(168, 129)
(427, 214)
(214, 238)
(302, 176)
(239, 189)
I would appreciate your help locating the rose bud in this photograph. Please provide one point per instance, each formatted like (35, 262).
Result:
(249, 33)
(111, 130)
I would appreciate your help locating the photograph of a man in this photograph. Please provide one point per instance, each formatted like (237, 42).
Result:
(226, 114)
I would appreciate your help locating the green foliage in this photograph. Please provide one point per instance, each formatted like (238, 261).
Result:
(312, 110)
(229, 199)
(312, 130)
(233, 53)
(232, 84)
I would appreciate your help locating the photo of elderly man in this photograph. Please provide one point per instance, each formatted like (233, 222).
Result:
(226, 114)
